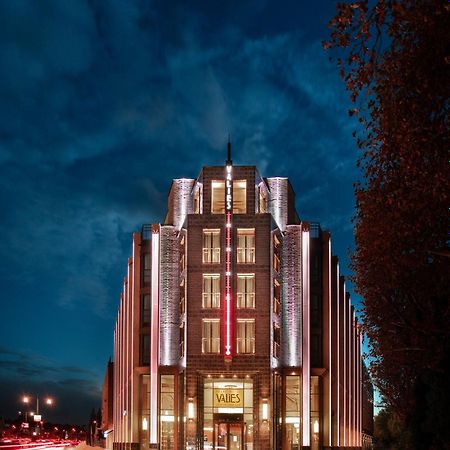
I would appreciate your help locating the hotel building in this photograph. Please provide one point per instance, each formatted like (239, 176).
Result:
(235, 329)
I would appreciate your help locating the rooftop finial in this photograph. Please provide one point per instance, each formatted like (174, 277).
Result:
(229, 150)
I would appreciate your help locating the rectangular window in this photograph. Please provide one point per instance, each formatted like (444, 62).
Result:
(276, 297)
(262, 201)
(182, 340)
(182, 254)
(293, 412)
(211, 246)
(197, 197)
(218, 197)
(211, 336)
(239, 197)
(316, 310)
(146, 310)
(276, 340)
(246, 336)
(211, 291)
(316, 350)
(315, 413)
(246, 245)
(167, 412)
(145, 349)
(246, 290)
(147, 268)
(182, 296)
(276, 253)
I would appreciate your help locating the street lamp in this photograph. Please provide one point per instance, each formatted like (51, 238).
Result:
(37, 418)
(27, 399)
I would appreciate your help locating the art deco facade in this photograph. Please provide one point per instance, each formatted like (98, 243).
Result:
(235, 330)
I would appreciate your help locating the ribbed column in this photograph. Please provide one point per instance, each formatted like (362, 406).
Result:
(291, 296)
(169, 336)
(278, 202)
(182, 200)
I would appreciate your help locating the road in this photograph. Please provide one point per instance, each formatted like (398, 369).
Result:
(20, 444)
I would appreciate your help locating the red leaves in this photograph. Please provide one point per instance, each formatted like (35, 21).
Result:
(402, 89)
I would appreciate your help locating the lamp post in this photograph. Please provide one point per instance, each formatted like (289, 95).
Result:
(37, 418)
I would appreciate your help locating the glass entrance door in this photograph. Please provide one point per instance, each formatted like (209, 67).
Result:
(229, 436)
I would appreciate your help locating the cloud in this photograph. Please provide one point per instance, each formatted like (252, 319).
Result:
(102, 104)
(76, 390)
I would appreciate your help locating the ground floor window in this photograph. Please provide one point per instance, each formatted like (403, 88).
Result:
(315, 413)
(167, 412)
(144, 409)
(293, 435)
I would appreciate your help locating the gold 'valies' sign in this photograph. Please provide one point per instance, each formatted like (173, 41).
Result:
(228, 398)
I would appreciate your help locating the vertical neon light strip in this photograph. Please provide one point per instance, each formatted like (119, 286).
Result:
(154, 339)
(228, 264)
(305, 339)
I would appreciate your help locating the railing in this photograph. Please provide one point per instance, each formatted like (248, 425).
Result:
(246, 255)
(245, 300)
(211, 255)
(211, 300)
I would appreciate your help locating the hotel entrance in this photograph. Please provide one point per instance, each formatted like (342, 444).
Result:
(229, 433)
(228, 414)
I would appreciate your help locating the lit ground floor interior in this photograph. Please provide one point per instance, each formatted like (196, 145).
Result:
(254, 410)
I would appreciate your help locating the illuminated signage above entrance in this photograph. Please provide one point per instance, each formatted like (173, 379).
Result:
(228, 398)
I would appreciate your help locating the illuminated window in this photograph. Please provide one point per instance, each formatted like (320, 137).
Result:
(246, 245)
(262, 201)
(315, 413)
(246, 290)
(211, 246)
(276, 297)
(182, 254)
(276, 253)
(197, 201)
(293, 411)
(276, 340)
(218, 197)
(182, 340)
(182, 296)
(211, 336)
(167, 412)
(239, 197)
(245, 336)
(211, 291)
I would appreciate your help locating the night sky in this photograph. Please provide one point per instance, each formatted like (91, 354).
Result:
(102, 103)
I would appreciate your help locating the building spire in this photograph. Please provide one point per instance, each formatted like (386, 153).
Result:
(229, 162)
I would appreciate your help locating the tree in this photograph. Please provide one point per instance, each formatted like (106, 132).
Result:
(394, 58)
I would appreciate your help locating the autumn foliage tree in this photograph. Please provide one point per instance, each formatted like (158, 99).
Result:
(394, 57)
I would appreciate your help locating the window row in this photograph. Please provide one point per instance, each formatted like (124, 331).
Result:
(245, 246)
(245, 290)
(245, 336)
(239, 198)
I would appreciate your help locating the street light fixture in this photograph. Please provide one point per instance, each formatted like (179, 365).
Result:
(37, 417)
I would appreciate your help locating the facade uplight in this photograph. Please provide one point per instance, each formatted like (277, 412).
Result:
(265, 410)
(191, 410)
(316, 426)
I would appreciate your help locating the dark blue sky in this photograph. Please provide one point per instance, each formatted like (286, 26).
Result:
(101, 105)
